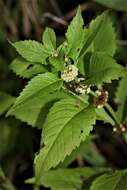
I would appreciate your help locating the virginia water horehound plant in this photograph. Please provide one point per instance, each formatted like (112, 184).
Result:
(65, 97)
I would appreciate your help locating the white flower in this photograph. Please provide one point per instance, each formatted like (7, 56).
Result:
(114, 129)
(88, 90)
(98, 92)
(69, 74)
(66, 59)
(81, 89)
(55, 54)
(100, 106)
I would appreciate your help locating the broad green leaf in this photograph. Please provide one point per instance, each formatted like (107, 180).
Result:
(103, 69)
(116, 181)
(83, 64)
(32, 51)
(74, 35)
(76, 152)
(120, 5)
(121, 99)
(91, 33)
(5, 102)
(58, 62)
(105, 40)
(104, 116)
(49, 40)
(64, 129)
(34, 96)
(67, 178)
(25, 69)
(87, 151)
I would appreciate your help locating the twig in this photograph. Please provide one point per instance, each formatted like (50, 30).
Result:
(84, 6)
(56, 8)
(80, 160)
(54, 18)
(26, 21)
(6, 15)
(122, 42)
(30, 12)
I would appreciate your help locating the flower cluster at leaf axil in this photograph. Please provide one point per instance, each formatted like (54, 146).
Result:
(70, 74)
(121, 128)
(101, 98)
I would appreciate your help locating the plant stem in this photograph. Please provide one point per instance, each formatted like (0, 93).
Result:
(109, 108)
(75, 95)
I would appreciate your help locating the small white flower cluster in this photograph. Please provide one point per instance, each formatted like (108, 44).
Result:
(100, 106)
(98, 92)
(55, 54)
(121, 128)
(81, 89)
(70, 73)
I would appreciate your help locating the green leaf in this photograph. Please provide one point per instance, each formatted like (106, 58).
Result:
(104, 116)
(91, 33)
(105, 40)
(116, 181)
(74, 35)
(32, 51)
(120, 5)
(83, 64)
(75, 153)
(64, 129)
(34, 96)
(86, 152)
(68, 178)
(5, 102)
(100, 30)
(103, 69)
(26, 69)
(58, 62)
(121, 99)
(49, 40)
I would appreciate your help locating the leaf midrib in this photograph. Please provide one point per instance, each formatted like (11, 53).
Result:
(57, 137)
